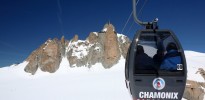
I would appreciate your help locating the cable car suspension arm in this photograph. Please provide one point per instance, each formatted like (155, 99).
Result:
(148, 25)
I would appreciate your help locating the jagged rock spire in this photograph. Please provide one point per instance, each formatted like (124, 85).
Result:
(108, 25)
(75, 38)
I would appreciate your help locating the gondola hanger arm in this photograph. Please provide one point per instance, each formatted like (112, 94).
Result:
(148, 25)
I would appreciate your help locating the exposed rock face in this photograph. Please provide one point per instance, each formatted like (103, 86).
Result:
(50, 58)
(95, 54)
(124, 43)
(202, 72)
(75, 38)
(111, 48)
(47, 57)
(105, 28)
(195, 90)
(104, 47)
(93, 37)
(33, 61)
(77, 53)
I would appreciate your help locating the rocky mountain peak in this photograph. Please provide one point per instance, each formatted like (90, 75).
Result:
(75, 38)
(100, 47)
(62, 40)
(108, 26)
(111, 47)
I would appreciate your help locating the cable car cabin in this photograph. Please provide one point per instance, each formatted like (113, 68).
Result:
(155, 66)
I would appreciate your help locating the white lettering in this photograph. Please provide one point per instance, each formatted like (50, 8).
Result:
(151, 95)
(141, 95)
(163, 95)
(146, 94)
(169, 95)
(176, 95)
(158, 95)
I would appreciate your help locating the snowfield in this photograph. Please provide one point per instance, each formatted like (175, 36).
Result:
(67, 83)
(195, 61)
(79, 83)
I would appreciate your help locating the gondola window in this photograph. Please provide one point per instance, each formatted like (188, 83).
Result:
(158, 53)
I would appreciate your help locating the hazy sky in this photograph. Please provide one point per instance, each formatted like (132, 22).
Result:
(26, 24)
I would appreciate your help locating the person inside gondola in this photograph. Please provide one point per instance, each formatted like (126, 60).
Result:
(158, 58)
(172, 58)
(143, 61)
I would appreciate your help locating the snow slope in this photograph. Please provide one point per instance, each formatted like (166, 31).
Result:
(79, 83)
(195, 61)
(67, 83)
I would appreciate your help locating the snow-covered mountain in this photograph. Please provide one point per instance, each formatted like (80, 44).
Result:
(95, 83)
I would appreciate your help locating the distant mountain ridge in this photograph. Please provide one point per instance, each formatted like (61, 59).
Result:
(106, 47)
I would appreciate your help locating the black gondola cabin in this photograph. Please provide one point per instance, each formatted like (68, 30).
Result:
(151, 70)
